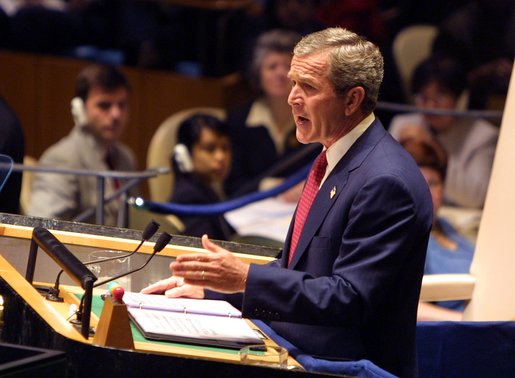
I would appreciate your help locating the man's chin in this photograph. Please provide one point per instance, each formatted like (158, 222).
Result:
(110, 137)
(302, 138)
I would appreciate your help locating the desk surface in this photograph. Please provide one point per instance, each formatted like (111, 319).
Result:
(55, 314)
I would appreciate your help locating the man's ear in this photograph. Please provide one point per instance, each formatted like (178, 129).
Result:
(353, 100)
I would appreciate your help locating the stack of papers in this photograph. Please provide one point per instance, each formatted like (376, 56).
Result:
(192, 321)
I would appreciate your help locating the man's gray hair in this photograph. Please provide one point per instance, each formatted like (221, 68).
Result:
(353, 61)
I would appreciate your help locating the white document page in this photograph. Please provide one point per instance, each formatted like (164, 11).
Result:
(211, 330)
(182, 305)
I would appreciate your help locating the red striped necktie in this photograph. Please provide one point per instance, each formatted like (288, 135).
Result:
(306, 199)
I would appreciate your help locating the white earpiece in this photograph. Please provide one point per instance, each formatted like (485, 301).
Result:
(183, 158)
(78, 110)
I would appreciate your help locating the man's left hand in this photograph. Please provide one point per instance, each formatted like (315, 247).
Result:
(219, 270)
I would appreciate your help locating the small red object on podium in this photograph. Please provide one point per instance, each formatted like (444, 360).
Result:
(117, 294)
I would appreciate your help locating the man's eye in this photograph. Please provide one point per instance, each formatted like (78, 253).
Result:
(208, 148)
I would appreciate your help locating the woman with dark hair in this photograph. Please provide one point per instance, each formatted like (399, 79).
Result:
(264, 128)
(469, 142)
(201, 161)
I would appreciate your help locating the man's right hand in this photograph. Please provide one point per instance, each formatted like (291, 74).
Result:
(174, 287)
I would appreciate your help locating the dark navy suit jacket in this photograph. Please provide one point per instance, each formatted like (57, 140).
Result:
(353, 286)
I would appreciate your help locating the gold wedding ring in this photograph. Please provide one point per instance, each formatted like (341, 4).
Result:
(203, 275)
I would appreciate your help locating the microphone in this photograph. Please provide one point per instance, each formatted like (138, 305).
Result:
(43, 238)
(148, 232)
(161, 242)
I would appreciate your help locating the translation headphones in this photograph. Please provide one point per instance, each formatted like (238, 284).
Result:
(182, 157)
(78, 110)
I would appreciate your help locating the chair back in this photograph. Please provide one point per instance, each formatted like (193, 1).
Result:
(161, 147)
(410, 46)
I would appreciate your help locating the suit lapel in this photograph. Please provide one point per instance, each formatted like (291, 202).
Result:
(333, 186)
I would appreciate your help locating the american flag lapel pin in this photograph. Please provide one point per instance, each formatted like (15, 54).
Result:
(333, 192)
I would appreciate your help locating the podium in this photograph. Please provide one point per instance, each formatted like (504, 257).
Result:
(31, 320)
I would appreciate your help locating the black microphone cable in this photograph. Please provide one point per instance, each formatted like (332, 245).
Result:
(148, 232)
(161, 242)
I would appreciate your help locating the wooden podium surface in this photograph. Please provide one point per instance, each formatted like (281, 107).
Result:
(29, 319)
(55, 314)
(83, 239)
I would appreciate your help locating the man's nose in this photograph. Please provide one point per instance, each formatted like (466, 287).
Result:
(116, 111)
(293, 97)
(220, 155)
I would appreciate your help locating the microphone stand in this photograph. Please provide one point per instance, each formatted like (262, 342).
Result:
(44, 239)
(161, 242)
(148, 232)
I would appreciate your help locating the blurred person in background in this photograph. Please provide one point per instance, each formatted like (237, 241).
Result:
(448, 251)
(469, 142)
(201, 161)
(110, 31)
(101, 113)
(481, 36)
(264, 128)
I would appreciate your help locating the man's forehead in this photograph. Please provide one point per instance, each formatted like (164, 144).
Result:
(100, 93)
(309, 65)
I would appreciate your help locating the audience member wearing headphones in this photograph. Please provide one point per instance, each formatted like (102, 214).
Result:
(201, 161)
(100, 110)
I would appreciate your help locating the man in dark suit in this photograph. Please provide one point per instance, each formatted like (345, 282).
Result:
(348, 287)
